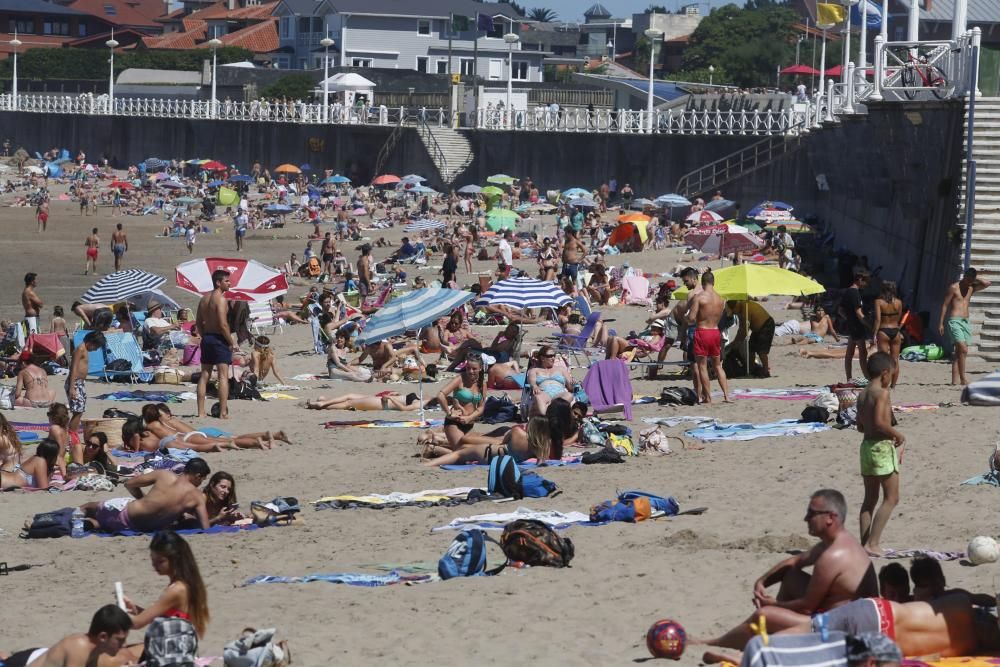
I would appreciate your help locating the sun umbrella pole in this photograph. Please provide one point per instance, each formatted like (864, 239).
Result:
(746, 342)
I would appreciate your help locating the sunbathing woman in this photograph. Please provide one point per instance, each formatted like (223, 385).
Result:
(185, 596)
(531, 442)
(244, 441)
(502, 375)
(263, 361)
(636, 348)
(468, 400)
(548, 381)
(197, 440)
(31, 390)
(34, 471)
(336, 362)
(385, 400)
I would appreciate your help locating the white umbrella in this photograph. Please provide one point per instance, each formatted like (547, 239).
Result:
(524, 293)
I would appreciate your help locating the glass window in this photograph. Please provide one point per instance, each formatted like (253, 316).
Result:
(467, 66)
(423, 27)
(51, 26)
(442, 67)
(22, 26)
(81, 29)
(286, 27)
(317, 26)
(305, 24)
(422, 62)
(499, 27)
(519, 70)
(362, 62)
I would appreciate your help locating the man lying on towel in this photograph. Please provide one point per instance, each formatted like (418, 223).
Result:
(842, 571)
(100, 647)
(171, 496)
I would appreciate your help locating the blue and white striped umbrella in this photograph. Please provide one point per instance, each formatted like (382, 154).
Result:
(424, 225)
(154, 164)
(121, 285)
(524, 293)
(412, 311)
(672, 200)
(718, 205)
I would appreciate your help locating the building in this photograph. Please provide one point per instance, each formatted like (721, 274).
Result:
(434, 37)
(43, 24)
(251, 26)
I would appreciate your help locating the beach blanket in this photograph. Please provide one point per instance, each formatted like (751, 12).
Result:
(528, 464)
(674, 421)
(385, 423)
(915, 407)
(894, 554)
(754, 431)
(186, 531)
(31, 427)
(349, 578)
(795, 394)
(428, 498)
(172, 452)
(277, 386)
(149, 396)
(990, 478)
(308, 377)
(277, 395)
(497, 521)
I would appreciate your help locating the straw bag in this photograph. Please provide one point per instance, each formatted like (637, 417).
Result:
(112, 428)
(167, 376)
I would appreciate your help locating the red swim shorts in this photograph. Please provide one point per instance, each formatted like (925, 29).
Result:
(92, 253)
(707, 343)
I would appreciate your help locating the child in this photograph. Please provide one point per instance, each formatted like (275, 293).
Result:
(190, 232)
(76, 387)
(349, 283)
(881, 452)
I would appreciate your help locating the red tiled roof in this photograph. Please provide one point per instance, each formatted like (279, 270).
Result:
(148, 8)
(175, 40)
(220, 10)
(191, 24)
(176, 14)
(123, 14)
(260, 38)
(37, 41)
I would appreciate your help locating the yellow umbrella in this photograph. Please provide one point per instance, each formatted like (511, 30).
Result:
(287, 169)
(740, 282)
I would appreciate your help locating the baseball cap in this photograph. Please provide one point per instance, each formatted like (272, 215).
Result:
(872, 645)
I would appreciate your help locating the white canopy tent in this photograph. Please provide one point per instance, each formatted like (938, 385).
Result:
(346, 87)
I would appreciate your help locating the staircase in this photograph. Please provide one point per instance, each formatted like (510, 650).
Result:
(450, 151)
(985, 311)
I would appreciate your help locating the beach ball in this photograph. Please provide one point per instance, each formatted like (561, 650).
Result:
(983, 549)
(666, 639)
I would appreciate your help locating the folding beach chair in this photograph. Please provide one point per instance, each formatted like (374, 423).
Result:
(262, 317)
(118, 346)
(577, 344)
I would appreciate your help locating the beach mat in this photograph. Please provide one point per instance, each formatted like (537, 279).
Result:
(428, 498)
(754, 431)
(385, 423)
(348, 578)
(214, 530)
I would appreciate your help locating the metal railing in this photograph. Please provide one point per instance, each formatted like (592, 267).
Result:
(438, 157)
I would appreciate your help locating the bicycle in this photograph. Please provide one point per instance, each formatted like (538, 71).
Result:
(930, 76)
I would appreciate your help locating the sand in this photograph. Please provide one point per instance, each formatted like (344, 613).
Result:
(696, 569)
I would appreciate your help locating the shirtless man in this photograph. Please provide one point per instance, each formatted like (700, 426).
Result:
(92, 243)
(32, 304)
(217, 343)
(956, 309)
(33, 383)
(171, 496)
(119, 245)
(706, 311)
(42, 215)
(92, 314)
(99, 647)
(820, 325)
(365, 273)
(572, 253)
(842, 571)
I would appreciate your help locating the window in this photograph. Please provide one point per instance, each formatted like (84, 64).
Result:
(22, 26)
(499, 28)
(81, 29)
(110, 10)
(217, 30)
(53, 26)
(496, 69)
(362, 62)
(442, 66)
(519, 71)
(317, 24)
(422, 62)
(467, 65)
(305, 24)
(424, 27)
(286, 27)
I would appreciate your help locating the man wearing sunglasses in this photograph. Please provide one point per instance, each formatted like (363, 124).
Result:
(841, 571)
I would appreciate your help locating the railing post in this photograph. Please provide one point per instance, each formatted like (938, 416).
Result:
(829, 102)
(876, 94)
(849, 89)
(977, 39)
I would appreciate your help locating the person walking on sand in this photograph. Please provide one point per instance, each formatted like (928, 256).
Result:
(705, 311)
(119, 245)
(881, 452)
(92, 244)
(365, 273)
(956, 309)
(857, 327)
(217, 343)
(42, 214)
(32, 304)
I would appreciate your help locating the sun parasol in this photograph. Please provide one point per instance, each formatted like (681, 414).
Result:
(337, 179)
(287, 169)
(743, 281)
(241, 178)
(574, 193)
(251, 280)
(501, 218)
(704, 217)
(722, 239)
(470, 190)
(492, 191)
(524, 293)
(626, 230)
(122, 285)
(501, 179)
(121, 185)
(385, 179)
(634, 217)
(672, 200)
(213, 165)
(791, 226)
(424, 225)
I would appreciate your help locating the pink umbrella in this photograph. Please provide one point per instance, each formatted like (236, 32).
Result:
(251, 280)
(359, 211)
(723, 239)
(704, 217)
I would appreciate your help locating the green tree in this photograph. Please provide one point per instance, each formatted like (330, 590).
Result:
(92, 64)
(657, 9)
(517, 7)
(542, 14)
(293, 86)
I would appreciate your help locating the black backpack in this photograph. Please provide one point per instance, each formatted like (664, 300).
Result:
(534, 543)
(170, 642)
(677, 396)
(58, 523)
(498, 410)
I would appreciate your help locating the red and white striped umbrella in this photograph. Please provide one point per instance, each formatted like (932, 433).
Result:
(723, 239)
(704, 217)
(251, 280)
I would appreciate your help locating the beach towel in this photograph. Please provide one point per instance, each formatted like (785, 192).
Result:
(277, 395)
(497, 521)
(807, 650)
(149, 396)
(915, 407)
(385, 423)
(991, 478)
(186, 531)
(894, 554)
(985, 391)
(306, 377)
(963, 661)
(349, 578)
(528, 464)
(793, 394)
(754, 431)
(674, 421)
(607, 384)
(429, 498)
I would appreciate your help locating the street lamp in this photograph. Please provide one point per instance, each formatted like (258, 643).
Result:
(214, 44)
(711, 73)
(14, 43)
(652, 34)
(611, 49)
(326, 43)
(511, 40)
(112, 44)
(822, 69)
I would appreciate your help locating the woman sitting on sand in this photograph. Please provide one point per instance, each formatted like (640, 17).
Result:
(34, 471)
(185, 596)
(385, 400)
(533, 441)
(463, 400)
(31, 390)
(263, 361)
(336, 362)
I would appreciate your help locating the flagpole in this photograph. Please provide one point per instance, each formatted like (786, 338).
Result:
(847, 46)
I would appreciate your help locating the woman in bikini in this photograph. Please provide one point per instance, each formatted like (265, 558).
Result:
(386, 400)
(198, 440)
(547, 261)
(263, 361)
(60, 434)
(548, 382)
(184, 597)
(467, 401)
(34, 472)
(533, 441)
(888, 334)
(469, 248)
(181, 426)
(620, 348)
(31, 390)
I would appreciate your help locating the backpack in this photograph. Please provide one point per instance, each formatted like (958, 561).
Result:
(533, 543)
(677, 396)
(505, 479)
(499, 410)
(466, 556)
(170, 642)
(633, 506)
(57, 523)
(814, 413)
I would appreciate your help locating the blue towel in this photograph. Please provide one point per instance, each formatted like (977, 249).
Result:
(565, 463)
(349, 578)
(754, 431)
(187, 531)
(992, 478)
(213, 432)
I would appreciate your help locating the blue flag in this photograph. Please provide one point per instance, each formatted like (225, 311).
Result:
(484, 22)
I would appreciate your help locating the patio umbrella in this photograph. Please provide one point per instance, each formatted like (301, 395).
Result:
(470, 190)
(491, 191)
(412, 178)
(154, 164)
(722, 239)
(501, 179)
(583, 202)
(385, 179)
(704, 217)
(214, 184)
(171, 185)
(337, 179)
(501, 218)
(573, 193)
(672, 200)
(121, 185)
(769, 208)
(121, 285)
(634, 217)
(524, 293)
(800, 69)
(718, 205)
(251, 280)
(752, 226)
(287, 169)
(743, 281)
(412, 312)
(241, 178)
(641, 203)
(791, 226)
(424, 225)
(213, 165)
(278, 208)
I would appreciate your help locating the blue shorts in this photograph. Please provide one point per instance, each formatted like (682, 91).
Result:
(215, 350)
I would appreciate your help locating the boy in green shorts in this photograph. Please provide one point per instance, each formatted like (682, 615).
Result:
(881, 452)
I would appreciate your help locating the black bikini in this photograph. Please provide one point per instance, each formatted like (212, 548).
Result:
(890, 332)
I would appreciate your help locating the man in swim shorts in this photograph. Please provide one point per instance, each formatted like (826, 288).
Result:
(92, 243)
(705, 311)
(217, 343)
(119, 244)
(956, 308)
(31, 303)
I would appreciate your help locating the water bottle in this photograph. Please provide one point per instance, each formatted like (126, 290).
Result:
(77, 529)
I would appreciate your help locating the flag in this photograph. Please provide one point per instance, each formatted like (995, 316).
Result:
(828, 13)
(484, 22)
(459, 23)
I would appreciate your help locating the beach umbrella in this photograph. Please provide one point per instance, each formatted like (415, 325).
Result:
(470, 190)
(542, 207)
(251, 280)
(142, 300)
(719, 205)
(154, 164)
(171, 185)
(337, 179)
(306, 167)
(722, 239)
(121, 185)
(385, 179)
(241, 178)
(422, 190)
(583, 202)
(121, 285)
(672, 200)
(412, 312)
(412, 178)
(424, 224)
(185, 201)
(491, 191)
(791, 226)
(162, 176)
(278, 208)
(574, 193)
(287, 169)
(743, 281)
(641, 203)
(504, 215)
(752, 226)
(501, 179)
(634, 217)
(213, 165)
(228, 197)
(704, 217)
(769, 209)
(524, 293)
(214, 184)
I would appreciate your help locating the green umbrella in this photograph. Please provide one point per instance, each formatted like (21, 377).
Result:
(501, 218)
(500, 224)
(492, 191)
(502, 179)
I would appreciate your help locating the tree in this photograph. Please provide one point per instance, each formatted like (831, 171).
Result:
(92, 64)
(293, 86)
(657, 9)
(515, 6)
(542, 14)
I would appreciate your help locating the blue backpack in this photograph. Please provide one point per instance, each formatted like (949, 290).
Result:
(466, 557)
(632, 506)
(505, 479)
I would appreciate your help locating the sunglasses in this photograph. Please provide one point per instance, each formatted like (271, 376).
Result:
(93, 445)
(810, 513)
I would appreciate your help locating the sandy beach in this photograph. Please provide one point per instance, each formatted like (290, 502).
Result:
(695, 569)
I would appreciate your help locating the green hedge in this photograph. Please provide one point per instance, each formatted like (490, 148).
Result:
(92, 64)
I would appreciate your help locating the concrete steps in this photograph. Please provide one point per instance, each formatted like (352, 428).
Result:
(450, 151)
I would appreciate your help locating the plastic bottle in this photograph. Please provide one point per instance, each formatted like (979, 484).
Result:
(77, 529)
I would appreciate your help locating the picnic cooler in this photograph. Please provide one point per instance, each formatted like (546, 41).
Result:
(112, 427)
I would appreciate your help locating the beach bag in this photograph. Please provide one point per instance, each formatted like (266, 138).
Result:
(191, 356)
(533, 543)
(58, 523)
(505, 479)
(591, 432)
(815, 414)
(6, 397)
(170, 642)
(677, 396)
(654, 440)
(498, 410)
(94, 482)
(826, 400)
(633, 506)
(466, 556)
(245, 389)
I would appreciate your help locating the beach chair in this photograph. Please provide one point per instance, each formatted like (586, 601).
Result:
(262, 317)
(370, 305)
(582, 305)
(635, 290)
(119, 346)
(577, 344)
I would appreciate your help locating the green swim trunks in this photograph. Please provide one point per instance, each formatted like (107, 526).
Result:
(960, 330)
(878, 458)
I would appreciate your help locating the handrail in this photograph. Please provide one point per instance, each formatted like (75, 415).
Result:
(388, 146)
(438, 152)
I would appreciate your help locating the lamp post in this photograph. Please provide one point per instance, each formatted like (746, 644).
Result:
(822, 69)
(326, 43)
(652, 34)
(610, 46)
(214, 44)
(511, 40)
(112, 44)
(14, 43)
(711, 74)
